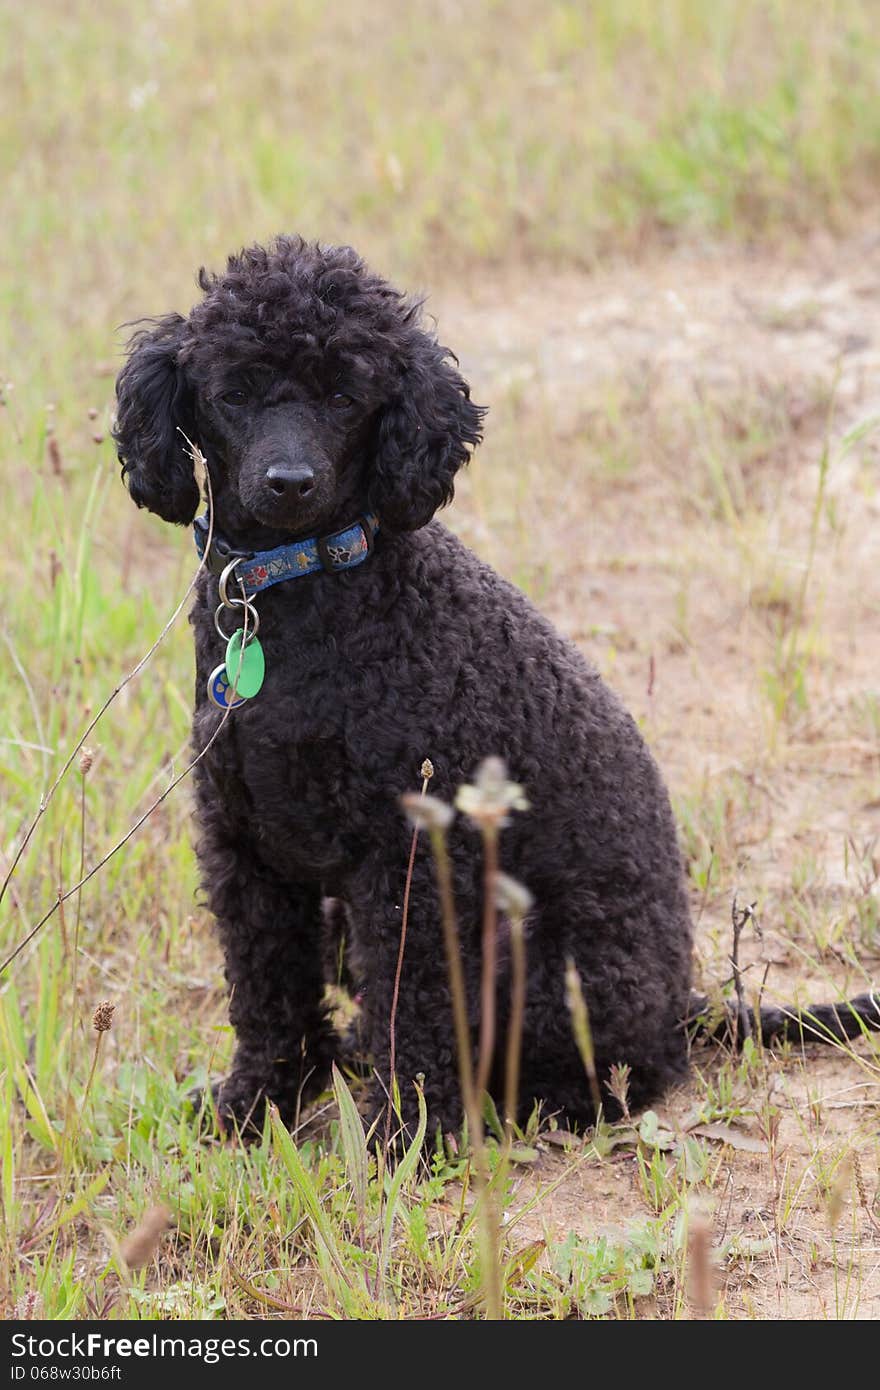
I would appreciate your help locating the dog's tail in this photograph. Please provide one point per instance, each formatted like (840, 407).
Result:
(828, 1023)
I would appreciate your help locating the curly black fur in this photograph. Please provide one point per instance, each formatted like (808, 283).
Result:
(301, 362)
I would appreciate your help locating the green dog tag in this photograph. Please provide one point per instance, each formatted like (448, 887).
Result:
(247, 672)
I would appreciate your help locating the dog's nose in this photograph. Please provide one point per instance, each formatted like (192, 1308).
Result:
(290, 480)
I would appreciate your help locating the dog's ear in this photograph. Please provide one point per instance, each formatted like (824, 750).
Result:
(424, 437)
(154, 410)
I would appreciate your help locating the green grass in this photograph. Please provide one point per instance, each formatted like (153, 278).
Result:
(136, 142)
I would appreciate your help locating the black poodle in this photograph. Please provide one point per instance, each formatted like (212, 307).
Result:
(333, 425)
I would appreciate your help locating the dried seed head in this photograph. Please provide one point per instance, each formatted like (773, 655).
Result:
(30, 1306)
(491, 776)
(86, 758)
(102, 1018)
(512, 897)
(860, 1182)
(426, 812)
(55, 460)
(836, 1199)
(140, 1246)
(97, 437)
(490, 797)
(93, 413)
(701, 1274)
(195, 453)
(618, 1085)
(427, 770)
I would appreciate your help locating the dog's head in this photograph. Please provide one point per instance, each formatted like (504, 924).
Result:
(313, 390)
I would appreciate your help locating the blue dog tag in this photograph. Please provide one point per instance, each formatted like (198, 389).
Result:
(220, 690)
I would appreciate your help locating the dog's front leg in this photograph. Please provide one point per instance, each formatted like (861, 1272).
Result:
(271, 937)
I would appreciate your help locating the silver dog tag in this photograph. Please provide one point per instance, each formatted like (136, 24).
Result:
(220, 690)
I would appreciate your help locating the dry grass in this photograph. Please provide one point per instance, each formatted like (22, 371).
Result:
(651, 476)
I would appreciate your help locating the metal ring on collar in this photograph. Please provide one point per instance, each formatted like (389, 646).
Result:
(225, 577)
(253, 619)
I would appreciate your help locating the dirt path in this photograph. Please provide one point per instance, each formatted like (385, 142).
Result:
(673, 518)
(722, 322)
(677, 593)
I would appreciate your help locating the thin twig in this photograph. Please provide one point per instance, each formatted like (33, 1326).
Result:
(102, 1020)
(47, 797)
(392, 1063)
(63, 897)
(515, 1025)
(738, 919)
(457, 986)
(489, 1226)
(489, 985)
(74, 964)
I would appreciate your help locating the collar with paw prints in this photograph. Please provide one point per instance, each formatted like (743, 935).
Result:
(260, 569)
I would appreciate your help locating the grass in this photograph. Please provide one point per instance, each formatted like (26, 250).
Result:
(137, 144)
(701, 551)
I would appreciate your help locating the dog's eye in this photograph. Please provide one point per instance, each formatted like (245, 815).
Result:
(340, 402)
(234, 398)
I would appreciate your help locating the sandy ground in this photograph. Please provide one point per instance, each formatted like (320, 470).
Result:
(687, 591)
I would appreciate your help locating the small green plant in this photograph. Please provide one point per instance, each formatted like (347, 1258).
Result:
(602, 1276)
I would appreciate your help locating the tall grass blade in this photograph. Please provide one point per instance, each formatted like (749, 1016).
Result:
(308, 1195)
(402, 1175)
(354, 1148)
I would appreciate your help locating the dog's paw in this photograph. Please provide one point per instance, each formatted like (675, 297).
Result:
(231, 1108)
(352, 1053)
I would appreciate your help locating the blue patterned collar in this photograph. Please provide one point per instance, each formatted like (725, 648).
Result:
(261, 568)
